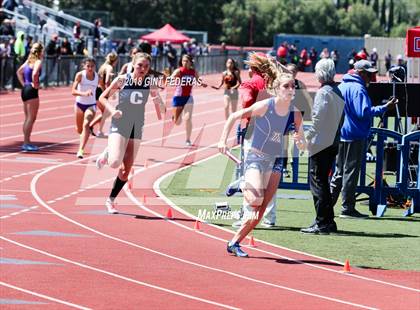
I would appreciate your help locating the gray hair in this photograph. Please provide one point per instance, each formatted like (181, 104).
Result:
(325, 70)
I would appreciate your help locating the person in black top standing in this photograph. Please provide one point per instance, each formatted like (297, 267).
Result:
(52, 51)
(77, 31)
(65, 53)
(97, 37)
(170, 53)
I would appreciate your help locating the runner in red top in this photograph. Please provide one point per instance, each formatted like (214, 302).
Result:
(253, 90)
(185, 77)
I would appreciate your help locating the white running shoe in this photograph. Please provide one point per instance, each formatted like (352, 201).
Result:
(237, 224)
(102, 159)
(268, 224)
(80, 154)
(100, 134)
(110, 205)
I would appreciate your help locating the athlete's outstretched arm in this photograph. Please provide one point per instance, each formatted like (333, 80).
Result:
(258, 109)
(115, 86)
(157, 99)
(197, 78)
(175, 74)
(221, 82)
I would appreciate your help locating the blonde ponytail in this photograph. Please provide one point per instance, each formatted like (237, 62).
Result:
(273, 72)
(35, 53)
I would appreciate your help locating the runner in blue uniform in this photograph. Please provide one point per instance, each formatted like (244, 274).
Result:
(273, 118)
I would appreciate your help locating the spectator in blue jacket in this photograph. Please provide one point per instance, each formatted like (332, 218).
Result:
(358, 115)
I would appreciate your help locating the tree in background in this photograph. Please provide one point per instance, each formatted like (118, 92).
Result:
(235, 22)
(358, 21)
(325, 21)
(182, 14)
(376, 7)
(242, 21)
(390, 16)
(346, 4)
(383, 14)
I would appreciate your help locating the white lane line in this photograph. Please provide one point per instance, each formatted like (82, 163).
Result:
(118, 276)
(41, 101)
(14, 190)
(38, 132)
(38, 120)
(44, 109)
(156, 187)
(112, 179)
(18, 212)
(69, 98)
(20, 175)
(41, 147)
(72, 103)
(31, 160)
(71, 163)
(146, 142)
(42, 202)
(44, 296)
(74, 140)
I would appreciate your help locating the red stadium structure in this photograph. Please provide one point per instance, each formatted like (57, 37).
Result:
(412, 49)
(166, 33)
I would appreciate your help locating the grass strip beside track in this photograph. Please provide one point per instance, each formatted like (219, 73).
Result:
(390, 242)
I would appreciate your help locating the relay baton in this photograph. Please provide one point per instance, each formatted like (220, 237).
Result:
(232, 157)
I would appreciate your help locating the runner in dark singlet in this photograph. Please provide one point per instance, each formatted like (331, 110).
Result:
(231, 80)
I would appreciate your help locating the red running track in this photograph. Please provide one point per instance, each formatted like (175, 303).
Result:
(60, 249)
